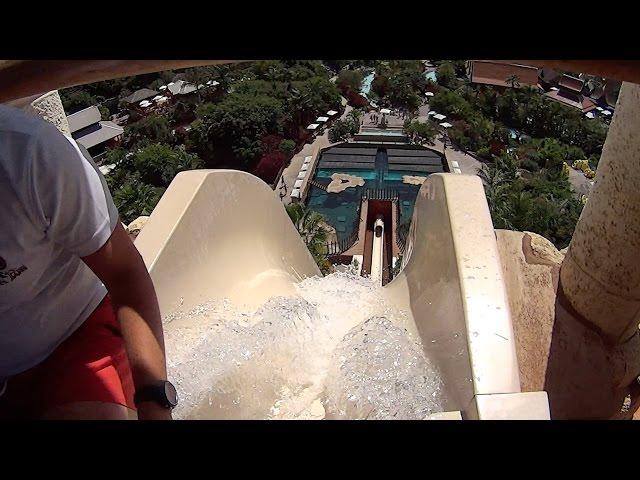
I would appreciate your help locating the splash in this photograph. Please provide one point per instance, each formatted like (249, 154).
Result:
(336, 350)
(379, 372)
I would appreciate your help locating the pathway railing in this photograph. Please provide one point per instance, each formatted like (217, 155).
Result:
(384, 194)
(318, 184)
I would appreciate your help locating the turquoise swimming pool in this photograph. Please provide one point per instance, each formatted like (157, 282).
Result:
(341, 209)
(431, 76)
(381, 167)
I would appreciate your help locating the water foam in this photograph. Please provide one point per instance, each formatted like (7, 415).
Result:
(336, 350)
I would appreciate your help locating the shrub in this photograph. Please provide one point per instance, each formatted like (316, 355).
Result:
(270, 143)
(349, 80)
(484, 152)
(529, 164)
(75, 100)
(446, 75)
(356, 100)
(158, 163)
(342, 130)
(380, 85)
(452, 104)
(269, 166)
(151, 129)
(421, 132)
(136, 198)
(287, 146)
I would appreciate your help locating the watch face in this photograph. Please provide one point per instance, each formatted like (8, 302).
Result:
(171, 394)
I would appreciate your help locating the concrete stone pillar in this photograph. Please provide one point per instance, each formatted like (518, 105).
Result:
(48, 106)
(600, 276)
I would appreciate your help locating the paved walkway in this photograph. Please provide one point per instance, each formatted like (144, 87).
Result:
(373, 118)
(290, 174)
(422, 112)
(467, 164)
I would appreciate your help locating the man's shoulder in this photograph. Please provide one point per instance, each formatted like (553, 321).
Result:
(14, 121)
(22, 135)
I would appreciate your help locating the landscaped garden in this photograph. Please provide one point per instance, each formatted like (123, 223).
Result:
(254, 119)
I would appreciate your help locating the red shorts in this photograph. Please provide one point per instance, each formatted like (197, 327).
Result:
(89, 366)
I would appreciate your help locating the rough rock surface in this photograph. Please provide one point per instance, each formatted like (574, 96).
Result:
(49, 107)
(558, 352)
(413, 179)
(133, 229)
(543, 249)
(531, 280)
(342, 181)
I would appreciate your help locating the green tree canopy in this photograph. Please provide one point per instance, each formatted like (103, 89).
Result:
(446, 75)
(150, 129)
(135, 198)
(158, 164)
(421, 132)
(342, 130)
(237, 123)
(350, 80)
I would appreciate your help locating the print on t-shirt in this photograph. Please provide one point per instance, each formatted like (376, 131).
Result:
(11, 274)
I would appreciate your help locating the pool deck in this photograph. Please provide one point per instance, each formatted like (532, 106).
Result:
(393, 121)
(290, 174)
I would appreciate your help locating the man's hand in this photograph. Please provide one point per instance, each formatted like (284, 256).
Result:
(153, 411)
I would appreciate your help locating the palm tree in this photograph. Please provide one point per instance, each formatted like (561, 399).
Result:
(308, 224)
(299, 105)
(513, 81)
(498, 177)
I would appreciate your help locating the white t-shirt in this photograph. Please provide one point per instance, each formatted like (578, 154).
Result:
(54, 208)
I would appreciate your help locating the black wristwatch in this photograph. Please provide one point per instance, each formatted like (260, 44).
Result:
(163, 393)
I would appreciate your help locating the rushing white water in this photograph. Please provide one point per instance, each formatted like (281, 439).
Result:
(335, 351)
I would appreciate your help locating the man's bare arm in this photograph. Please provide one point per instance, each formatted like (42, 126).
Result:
(121, 268)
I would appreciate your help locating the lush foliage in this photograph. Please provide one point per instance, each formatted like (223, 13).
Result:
(134, 198)
(400, 83)
(446, 75)
(342, 130)
(350, 80)
(235, 126)
(287, 146)
(76, 100)
(269, 166)
(158, 163)
(151, 129)
(254, 119)
(542, 203)
(271, 98)
(480, 117)
(536, 154)
(420, 132)
(526, 174)
(140, 177)
(309, 226)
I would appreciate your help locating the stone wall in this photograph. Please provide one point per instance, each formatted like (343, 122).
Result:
(48, 106)
(584, 375)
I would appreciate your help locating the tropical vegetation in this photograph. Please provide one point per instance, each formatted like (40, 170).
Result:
(309, 224)
(253, 118)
